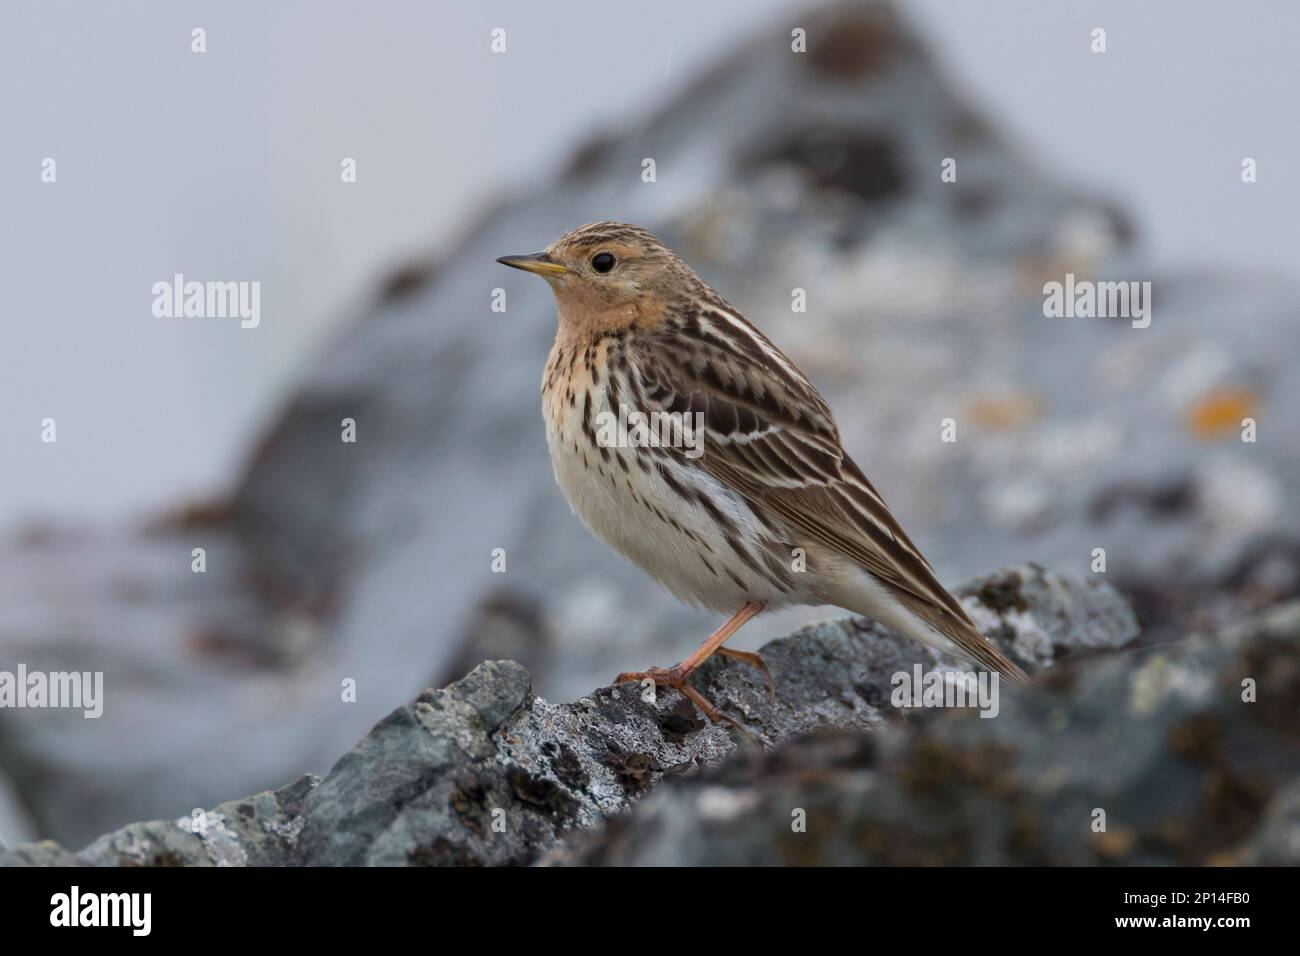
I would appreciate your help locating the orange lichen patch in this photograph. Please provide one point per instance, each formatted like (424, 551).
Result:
(1219, 411)
(1034, 271)
(1006, 410)
(856, 44)
(1114, 844)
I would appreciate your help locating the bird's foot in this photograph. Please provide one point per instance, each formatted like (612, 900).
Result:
(675, 677)
(662, 676)
(753, 660)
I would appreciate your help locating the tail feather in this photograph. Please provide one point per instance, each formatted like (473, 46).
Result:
(963, 637)
(982, 651)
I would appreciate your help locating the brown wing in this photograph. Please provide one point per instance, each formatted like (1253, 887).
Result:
(771, 437)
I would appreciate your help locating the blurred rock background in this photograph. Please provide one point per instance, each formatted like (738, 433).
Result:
(329, 561)
(1158, 736)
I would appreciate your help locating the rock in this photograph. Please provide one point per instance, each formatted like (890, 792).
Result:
(371, 563)
(484, 772)
(1039, 617)
(1160, 740)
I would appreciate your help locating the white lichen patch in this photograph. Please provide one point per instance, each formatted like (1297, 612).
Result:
(719, 804)
(1031, 639)
(218, 839)
(287, 830)
(1159, 679)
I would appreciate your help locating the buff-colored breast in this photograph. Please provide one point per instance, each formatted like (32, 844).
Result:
(652, 508)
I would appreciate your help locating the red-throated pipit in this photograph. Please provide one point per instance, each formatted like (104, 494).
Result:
(645, 352)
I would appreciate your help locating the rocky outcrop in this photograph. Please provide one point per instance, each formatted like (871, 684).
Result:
(372, 563)
(484, 772)
(1178, 754)
(1181, 754)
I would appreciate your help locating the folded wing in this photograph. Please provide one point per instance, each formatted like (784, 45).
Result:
(770, 436)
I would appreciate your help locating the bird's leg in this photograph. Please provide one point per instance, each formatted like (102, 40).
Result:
(675, 676)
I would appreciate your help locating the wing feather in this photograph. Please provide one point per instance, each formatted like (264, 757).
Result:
(772, 438)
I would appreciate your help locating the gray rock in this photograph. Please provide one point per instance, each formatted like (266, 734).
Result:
(371, 562)
(1159, 740)
(1039, 617)
(484, 772)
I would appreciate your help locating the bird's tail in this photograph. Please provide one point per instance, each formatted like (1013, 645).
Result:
(945, 631)
(972, 644)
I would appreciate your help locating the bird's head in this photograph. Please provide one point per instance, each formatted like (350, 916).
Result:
(608, 274)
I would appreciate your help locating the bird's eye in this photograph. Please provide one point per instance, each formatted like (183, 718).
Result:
(602, 261)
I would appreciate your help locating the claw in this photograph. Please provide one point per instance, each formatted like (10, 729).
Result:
(675, 678)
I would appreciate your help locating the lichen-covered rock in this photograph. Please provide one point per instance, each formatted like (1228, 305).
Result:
(484, 772)
(1181, 754)
(924, 302)
(260, 830)
(1038, 617)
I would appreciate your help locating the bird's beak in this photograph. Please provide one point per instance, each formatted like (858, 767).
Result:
(538, 262)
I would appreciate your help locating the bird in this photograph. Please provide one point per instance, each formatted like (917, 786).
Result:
(689, 443)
